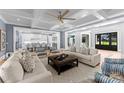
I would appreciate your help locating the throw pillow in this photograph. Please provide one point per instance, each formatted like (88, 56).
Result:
(11, 71)
(26, 54)
(85, 51)
(28, 64)
(80, 50)
(73, 49)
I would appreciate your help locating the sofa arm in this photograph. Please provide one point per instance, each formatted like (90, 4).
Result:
(40, 78)
(95, 59)
(101, 78)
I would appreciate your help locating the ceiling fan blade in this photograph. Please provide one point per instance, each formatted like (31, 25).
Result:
(52, 15)
(69, 18)
(61, 21)
(66, 12)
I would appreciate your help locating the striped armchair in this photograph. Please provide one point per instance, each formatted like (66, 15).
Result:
(110, 66)
(113, 66)
(101, 78)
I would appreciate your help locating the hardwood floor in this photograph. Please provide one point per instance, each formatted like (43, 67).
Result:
(110, 54)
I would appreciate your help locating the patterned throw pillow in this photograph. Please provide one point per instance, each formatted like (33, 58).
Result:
(26, 53)
(28, 64)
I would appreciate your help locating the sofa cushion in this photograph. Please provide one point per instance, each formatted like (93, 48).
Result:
(84, 51)
(11, 71)
(27, 63)
(69, 52)
(80, 50)
(93, 51)
(72, 49)
(83, 56)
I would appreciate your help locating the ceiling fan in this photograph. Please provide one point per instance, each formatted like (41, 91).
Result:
(61, 17)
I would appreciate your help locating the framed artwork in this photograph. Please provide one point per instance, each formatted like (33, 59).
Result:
(2, 40)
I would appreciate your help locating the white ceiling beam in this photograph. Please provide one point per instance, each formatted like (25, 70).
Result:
(1, 17)
(36, 18)
(100, 17)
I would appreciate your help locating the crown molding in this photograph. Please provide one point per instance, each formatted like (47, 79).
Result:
(1, 17)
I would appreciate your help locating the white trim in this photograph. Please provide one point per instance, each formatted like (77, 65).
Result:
(21, 29)
(14, 40)
(97, 25)
(1, 47)
(88, 33)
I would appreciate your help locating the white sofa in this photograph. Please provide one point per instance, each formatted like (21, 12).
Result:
(39, 75)
(90, 57)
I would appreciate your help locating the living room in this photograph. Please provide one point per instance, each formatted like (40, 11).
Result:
(61, 45)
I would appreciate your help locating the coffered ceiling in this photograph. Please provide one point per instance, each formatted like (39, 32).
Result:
(44, 18)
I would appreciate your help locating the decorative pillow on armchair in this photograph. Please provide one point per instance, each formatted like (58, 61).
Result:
(28, 64)
(26, 54)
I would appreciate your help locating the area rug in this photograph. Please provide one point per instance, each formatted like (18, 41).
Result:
(81, 74)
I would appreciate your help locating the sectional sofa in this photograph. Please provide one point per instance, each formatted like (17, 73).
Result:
(85, 55)
(12, 72)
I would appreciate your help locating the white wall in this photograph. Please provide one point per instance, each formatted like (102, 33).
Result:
(88, 33)
(119, 28)
(110, 28)
(66, 40)
(78, 38)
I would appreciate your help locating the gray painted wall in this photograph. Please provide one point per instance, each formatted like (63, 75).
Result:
(62, 39)
(3, 27)
(9, 37)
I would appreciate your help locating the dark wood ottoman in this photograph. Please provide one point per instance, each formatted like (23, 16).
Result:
(61, 65)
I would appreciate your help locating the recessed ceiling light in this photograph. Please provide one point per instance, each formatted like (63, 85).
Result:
(18, 19)
(84, 15)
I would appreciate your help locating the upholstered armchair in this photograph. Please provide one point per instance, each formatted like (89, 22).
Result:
(109, 67)
(101, 78)
(112, 65)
